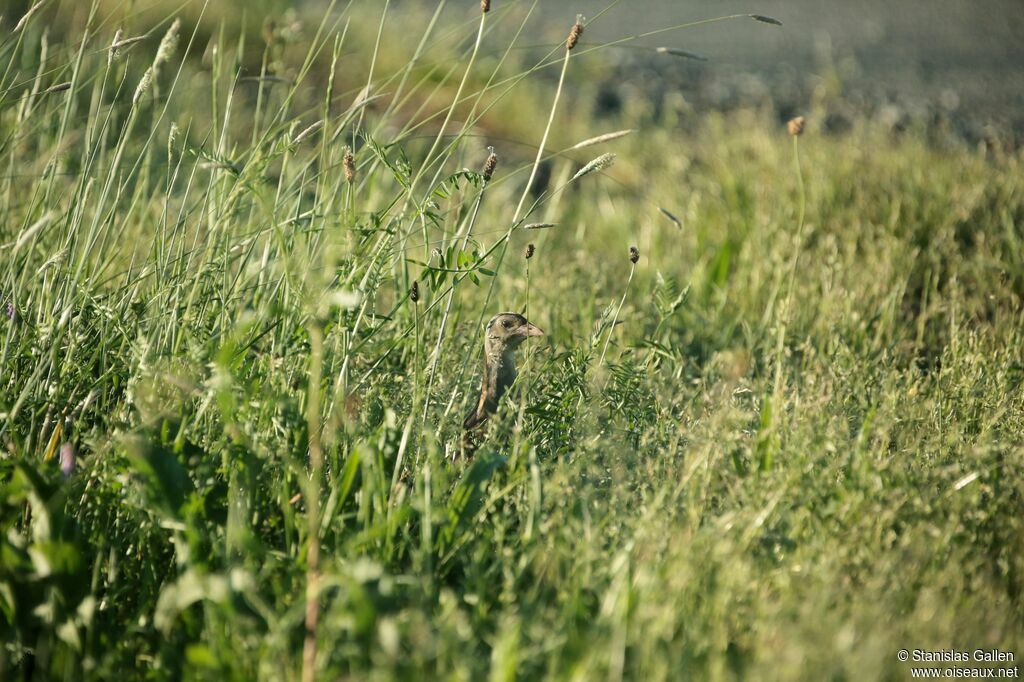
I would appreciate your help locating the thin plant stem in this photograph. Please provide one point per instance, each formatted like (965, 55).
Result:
(615, 317)
(768, 441)
(316, 342)
(435, 354)
(428, 159)
(526, 309)
(791, 277)
(543, 143)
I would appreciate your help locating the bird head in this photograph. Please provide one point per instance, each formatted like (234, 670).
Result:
(508, 330)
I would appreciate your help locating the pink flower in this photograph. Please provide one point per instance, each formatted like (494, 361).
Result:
(67, 459)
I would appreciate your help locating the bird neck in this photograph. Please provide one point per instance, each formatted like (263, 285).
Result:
(499, 372)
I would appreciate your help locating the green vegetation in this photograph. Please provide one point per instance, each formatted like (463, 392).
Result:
(798, 449)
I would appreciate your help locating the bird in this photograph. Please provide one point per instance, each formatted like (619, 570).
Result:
(502, 336)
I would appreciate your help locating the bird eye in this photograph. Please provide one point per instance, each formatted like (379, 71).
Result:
(507, 324)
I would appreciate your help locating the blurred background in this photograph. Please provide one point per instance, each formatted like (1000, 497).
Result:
(962, 60)
(952, 67)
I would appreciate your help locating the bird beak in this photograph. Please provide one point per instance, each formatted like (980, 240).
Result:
(530, 330)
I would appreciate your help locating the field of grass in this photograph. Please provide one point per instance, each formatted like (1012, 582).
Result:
(786, 444)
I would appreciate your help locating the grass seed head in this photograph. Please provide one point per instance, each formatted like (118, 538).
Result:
(112, 52)
(485, 6)
(490, 164)
(671, 216)
(172, 139)
(144, 83)
(595, 166)
(119, 44)
(607, 137)
(530, 250)
(574, 33)
(796, 126)
(634, 255)
(27, 16)
(308, 131)
(168, 44)
(414, 292)
(349, 163)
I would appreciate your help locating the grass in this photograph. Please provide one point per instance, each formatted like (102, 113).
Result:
(784, 445)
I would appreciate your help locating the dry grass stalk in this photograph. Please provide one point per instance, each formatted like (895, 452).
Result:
(607, 137)
(28, 15)
(112, 51)
(120, 42)
(308, 131)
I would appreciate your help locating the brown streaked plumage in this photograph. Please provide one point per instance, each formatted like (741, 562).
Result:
(502, 337)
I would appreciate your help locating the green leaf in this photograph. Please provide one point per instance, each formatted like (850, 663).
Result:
(766, 436)
(348, 475)
(397, 169)
(186, 591)
(165, 480)
(468, 498)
